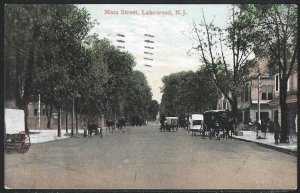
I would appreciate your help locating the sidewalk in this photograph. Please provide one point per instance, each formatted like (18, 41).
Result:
(269, 142)
(46, 135)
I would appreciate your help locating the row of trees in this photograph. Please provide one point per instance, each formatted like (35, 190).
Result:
(268, 31)
(48, 52)
(188, 92)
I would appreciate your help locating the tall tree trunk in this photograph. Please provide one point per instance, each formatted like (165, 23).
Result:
(66, 120)
(59, 122)
(284, 112)
(25, 108)
(234, 111)
(28, 84)
(49, 115)
(76, 116)
(72, 129)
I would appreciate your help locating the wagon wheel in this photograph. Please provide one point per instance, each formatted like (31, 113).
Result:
(22, 142)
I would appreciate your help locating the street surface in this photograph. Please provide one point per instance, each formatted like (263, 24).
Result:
(148, 159)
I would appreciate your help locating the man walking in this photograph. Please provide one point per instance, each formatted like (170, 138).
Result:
(276, 132)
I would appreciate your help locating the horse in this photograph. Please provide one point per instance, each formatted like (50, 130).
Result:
(110, 125)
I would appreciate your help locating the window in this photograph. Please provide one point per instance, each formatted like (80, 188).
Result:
(224, 105)
(247, 93)
(267, 92)
(275, 115)
(197, 122)
(270, 92)
(277, 82)
(35, 112)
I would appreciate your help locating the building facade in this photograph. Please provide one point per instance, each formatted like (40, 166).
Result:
(292, 101)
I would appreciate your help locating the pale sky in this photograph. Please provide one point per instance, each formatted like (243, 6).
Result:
(172, 41)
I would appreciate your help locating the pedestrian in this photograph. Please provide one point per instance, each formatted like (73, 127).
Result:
(276, 132)
(271, 126)
(232, 125)
(258, 129)
(84, 130)
(227, 128)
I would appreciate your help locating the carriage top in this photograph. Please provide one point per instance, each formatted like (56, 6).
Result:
(171, 117)
(14, 121)
(172, 120)
(197, 116)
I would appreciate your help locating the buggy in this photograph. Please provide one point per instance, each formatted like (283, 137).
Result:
(15, 135)
(196, 124)
(215, 122)
(171, 124)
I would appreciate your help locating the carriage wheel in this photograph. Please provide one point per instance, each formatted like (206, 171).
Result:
(22, 142)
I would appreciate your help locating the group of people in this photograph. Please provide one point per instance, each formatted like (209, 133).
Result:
(226, 128)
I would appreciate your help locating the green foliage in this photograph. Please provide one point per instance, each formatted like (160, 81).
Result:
(138, 97)
(226, 53)
(188, 92)
(153, 109)
(276, 27)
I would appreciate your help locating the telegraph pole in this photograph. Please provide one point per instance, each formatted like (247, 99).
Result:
(258, 98)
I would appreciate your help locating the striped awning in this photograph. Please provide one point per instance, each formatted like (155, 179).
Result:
(289, 99)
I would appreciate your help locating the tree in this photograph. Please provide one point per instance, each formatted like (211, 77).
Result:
(120, 68)
(62, 51)
(214, 44)
(153, 109)
(184, 93)
(138, 97)
(94, 76)
(43, 42)
(276, 25)
(22, 27)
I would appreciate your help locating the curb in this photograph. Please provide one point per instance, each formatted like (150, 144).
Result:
(287, 151)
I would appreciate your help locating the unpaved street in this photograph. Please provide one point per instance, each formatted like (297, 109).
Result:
(148, 159)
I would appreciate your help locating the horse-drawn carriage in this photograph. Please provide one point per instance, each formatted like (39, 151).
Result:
(170, 124)
(15, 135)
(93, 127)
(217, 123)
(196, 124)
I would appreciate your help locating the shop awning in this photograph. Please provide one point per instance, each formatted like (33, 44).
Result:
(289, 99)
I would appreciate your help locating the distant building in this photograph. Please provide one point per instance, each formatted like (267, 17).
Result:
(254, 98)
(223, 104)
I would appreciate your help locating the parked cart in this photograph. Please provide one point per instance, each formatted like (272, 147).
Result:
(196, 124)
(171, 124)
(215, 121)
(16, 137)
